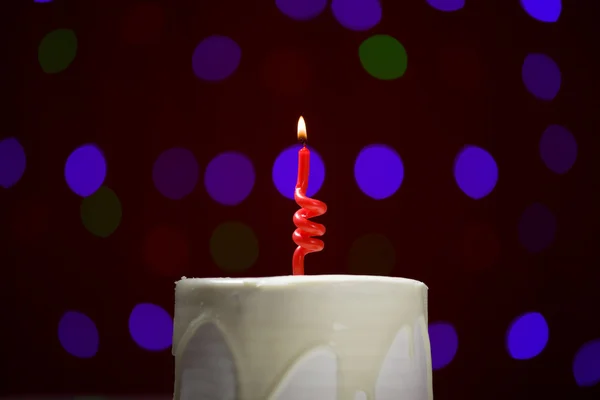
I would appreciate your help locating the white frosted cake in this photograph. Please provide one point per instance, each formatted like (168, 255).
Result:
(321, 337)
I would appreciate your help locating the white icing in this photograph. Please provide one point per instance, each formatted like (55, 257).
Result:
(422, 373)
(360, 396)
(395, 367)
(314, 376)
(339, 327)
(404, 369)
(302, 337)
(207, 367)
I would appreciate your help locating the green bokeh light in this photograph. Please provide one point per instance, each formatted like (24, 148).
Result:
(372, 254)
(57, 50)
(101, 212)
(383, 57)
(234, 246)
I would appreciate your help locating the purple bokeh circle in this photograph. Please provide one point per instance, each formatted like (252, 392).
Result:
(444, 344)
(85, 170)
(586, 364)
(151, 327)
(475, 172)
(527, 336)
(378, 171)
(447, 5)
(12, 162)
(175, 173)
(78, 335)
(541, 76)
(301, 10)
(229, 178)
(216, 58)
(558, 149)
(285, 172)
(543, 10)
(357, 15)
(537, 228)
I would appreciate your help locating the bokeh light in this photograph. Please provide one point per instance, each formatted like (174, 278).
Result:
(85, 170)
(447, 5)
(234, 246)
(301, 10)
(229, 178)
(480, 247)
(444, 344)
(378, 171)
(285, 172)
(527, 336)
(175, 173)
(558, 149)
(383, 57)
(101, 212)
(42, 1)
(143, 23)
(475, 172)
(12, 162)
(543, 10)
(537, 228)
(151, 327)
(586, 364)
(541, 76)
(357, 15)
(166, 251)
(372, 254)
(78, 335)
(57, 50)
(216, 58)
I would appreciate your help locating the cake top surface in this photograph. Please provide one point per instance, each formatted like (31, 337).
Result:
(295, 279)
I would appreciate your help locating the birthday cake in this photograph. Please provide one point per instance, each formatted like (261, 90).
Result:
(321, 337)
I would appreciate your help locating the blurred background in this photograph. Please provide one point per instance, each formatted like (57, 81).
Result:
(454, 142)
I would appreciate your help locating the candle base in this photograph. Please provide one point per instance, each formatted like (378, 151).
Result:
(323, 337)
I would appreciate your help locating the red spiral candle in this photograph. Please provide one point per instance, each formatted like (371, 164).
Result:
(303, 236)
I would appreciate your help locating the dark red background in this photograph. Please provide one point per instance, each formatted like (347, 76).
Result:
(135, 95)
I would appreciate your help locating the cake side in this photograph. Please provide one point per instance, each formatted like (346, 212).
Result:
(263, 333)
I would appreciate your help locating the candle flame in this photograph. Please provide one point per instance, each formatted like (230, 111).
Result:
(301, 130)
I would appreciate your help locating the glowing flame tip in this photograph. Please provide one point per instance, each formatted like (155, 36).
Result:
(301, 129)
